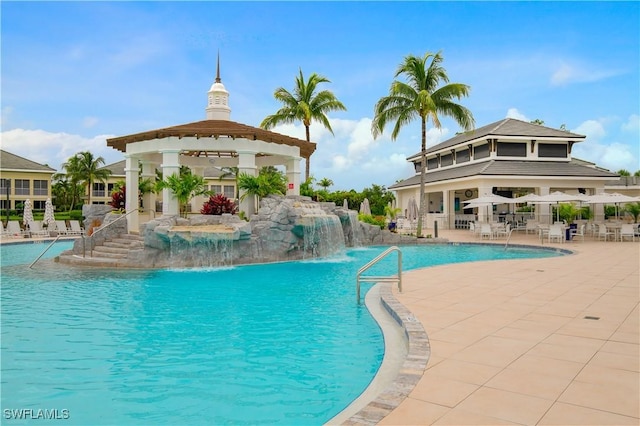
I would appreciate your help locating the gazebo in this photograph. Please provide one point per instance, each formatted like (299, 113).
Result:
(216, 141)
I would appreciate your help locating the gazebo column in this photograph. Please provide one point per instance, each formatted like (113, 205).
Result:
(170, 166)
(149, 199)
(131, 172)
(247, 164)
(293, 175)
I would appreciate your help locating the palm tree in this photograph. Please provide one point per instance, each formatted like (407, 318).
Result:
(325, 183)
(624, 172)
(304, 105)
(83, 168)
(184, 187)
(421, 97)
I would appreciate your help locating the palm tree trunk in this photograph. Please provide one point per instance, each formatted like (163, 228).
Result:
(308, 159)
(423, 167)
(89, 192)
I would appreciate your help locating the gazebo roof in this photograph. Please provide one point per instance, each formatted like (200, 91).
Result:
(213, 129)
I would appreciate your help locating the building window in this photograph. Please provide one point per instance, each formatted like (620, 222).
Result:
(40, 187)
(5, 204)
(230, 191)
(551, 150)
(417, 165)
(5, 185)
(38, 204)
(481, 151)
(432, 163)
(98, 189)
(216, 189)
(446, 160)
(462, 156)
(511, 149)
(22, 187)
(110, 188)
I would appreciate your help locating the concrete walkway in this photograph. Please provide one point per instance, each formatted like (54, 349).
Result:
(536, 341)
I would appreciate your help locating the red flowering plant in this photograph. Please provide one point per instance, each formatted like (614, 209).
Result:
(218, 204)
(118, 198)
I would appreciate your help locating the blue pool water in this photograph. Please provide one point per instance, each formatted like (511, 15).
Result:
(261, 344)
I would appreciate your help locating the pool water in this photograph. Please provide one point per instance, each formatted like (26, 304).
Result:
(279, 343)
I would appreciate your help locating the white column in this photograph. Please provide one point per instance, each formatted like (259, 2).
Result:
(247, 164)
(149, 199)
(293, 175)
(543, 210)
(131, 171)
(448, 209)
(170, 166)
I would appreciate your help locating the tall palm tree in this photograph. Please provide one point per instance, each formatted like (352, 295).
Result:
(423, 97)
(84, 168)
(325, 183)
(304, 105)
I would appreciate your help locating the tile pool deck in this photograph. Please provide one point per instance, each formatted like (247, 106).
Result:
(511, 341)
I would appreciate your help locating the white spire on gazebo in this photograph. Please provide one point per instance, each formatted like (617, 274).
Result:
(218, 99)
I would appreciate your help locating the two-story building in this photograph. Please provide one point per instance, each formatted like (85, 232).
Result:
(510, 158)
(22, 179)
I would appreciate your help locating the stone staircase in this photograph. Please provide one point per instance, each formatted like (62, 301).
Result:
(113, 252)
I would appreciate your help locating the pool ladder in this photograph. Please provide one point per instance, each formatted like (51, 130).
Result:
(378, 279)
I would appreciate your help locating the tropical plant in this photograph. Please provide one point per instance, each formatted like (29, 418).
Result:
(634, 210)
(637, 173)
(119, 198)
(262, 185)
(65, 193)
(325, 183)
(379, 198)
(184, 187)
(306, 187)
(392, 212)
(372, 220)
(304, 105)
(83, 168)
(624, 172)
(218, 204)
(421, 97)
(568, 212)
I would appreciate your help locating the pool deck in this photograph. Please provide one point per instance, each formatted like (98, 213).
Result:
(518, 342)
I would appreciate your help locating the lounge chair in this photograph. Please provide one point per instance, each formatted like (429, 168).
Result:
(14, 230)
(35, 229)
(75, 228)
(486, 231)
(61, 227)
(627, 231)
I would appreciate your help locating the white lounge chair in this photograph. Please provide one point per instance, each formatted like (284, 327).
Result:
(35, 229)
(14, 230)
(75, 228)
(486, 231)
(627, 231)
(61, 227)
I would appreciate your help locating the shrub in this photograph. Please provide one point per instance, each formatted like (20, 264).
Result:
(118, 198)
(75, 215)
(372, 220)
(218, 204)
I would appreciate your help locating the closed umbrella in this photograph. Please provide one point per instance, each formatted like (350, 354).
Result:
(27, 214)
(49, 218)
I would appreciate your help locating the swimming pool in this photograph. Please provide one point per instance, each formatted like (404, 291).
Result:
(258, 344)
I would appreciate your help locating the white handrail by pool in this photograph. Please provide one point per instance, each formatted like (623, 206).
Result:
(45, 250)
(392, 278)
(102, 228)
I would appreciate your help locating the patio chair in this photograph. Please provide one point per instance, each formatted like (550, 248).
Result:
(35, 229)
(578, 232)
(61, 227)
(627, 231)
(14, 230)
(532, 226)
(75, 228)
(604, 233)
(556, 232)
(503, 232)
(486, 231)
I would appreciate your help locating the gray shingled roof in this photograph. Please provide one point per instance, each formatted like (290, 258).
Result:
(117, 169)
(506, 127)
(9, 161)
(509, 168)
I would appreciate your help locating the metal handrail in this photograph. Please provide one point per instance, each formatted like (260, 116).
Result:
(102, 228)
(45, 250)
(378, 258)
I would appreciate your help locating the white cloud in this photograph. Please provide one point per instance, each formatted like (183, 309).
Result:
(614, 156)
(632, 124)
(514, 113)
(56, 148)
(592, 129)
(566, 73)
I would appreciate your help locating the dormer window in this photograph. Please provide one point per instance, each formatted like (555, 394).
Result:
(552, 150)
(512, 149)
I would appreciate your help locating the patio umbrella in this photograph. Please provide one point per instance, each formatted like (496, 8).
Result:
(49, 218)
(412, 209)
(490, 200)
(611, 198)
(27, 213)
(345, 204)
(558, 197)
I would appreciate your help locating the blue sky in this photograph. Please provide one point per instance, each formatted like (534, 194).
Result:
(76, 73)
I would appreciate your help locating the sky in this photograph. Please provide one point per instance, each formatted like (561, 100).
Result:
(76, 73)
